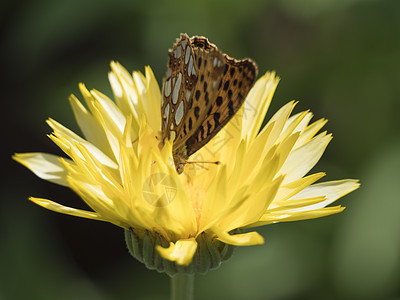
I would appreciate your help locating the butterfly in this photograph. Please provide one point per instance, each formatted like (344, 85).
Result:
(202, 91)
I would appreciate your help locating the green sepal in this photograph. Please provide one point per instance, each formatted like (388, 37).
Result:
(209, 255)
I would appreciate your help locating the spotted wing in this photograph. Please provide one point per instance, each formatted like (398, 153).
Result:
(194, 73)
(208, 65)
(238, 78)
(178, 85)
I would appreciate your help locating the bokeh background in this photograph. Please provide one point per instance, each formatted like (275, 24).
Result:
(339, 58)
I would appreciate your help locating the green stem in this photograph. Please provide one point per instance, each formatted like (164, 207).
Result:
(182, 287)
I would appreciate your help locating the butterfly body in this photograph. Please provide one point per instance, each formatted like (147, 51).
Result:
(202, 91)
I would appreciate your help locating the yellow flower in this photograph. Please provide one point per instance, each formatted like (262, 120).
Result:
(126, 178)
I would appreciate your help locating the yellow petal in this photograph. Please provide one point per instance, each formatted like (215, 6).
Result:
(64, 136)
(302, 124)
(242, 239)
(125, 92)
(275, 217)
(89, 126)
(152, 103)
(279, 120)
(303, 159)
(257, 103)
(45, 166)
(181, 252)
(331, 190)
(291, 189)
(54, 206)
(309, 132)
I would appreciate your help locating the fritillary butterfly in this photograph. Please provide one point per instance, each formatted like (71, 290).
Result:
(202, 91)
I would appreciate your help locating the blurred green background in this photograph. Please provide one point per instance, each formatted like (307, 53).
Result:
(339, 58)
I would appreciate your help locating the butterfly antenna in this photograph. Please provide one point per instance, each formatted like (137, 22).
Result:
(203, 162)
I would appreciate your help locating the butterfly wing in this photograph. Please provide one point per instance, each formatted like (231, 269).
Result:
(194, 73)
(238, 78)
(202, 91)
(177, 85)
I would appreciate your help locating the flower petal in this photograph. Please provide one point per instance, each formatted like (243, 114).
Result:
(303, 159)
(109, 111)
(257, 103)
(89, 126)
(44, 165)
(278, 121)
(125, 93)
(181, 252)
(287, 191)
(51, 205)
(275, 217)
(309, 132)
(66, 139)
(152, 103)
(241, 239)
(331, 190)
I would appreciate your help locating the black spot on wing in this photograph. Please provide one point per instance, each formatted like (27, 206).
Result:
(205, 86)
(226, 68)
(230, 94)
(209, 126)
(206, 98)
(197, 112)
(190, 123)
(226, 85)
(216, 118)
(230, 108)
(201, 128)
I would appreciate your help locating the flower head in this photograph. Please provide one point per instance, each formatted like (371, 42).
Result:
(126, 178)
